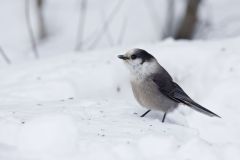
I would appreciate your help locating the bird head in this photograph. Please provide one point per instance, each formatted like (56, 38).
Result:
(140, 62)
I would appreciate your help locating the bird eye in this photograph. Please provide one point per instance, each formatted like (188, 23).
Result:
(133, 56)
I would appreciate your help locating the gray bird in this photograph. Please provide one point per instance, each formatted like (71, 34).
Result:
(153, 87)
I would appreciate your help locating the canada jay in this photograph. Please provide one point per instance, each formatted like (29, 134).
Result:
(153, 87)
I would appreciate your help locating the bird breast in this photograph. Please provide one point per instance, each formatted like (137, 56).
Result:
(148, 95)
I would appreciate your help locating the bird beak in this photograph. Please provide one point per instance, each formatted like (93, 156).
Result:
(123, 57)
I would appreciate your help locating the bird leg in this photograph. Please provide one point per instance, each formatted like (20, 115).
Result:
(164, 116)
(144, 114)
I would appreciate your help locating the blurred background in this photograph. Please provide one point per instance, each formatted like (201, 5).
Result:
(39, 28)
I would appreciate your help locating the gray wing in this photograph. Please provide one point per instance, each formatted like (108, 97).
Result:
(173, 91)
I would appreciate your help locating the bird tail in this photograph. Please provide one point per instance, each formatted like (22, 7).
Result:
(180, 96)
(201, 109)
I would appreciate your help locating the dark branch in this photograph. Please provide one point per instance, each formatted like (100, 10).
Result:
(189, 21)
(30, 29)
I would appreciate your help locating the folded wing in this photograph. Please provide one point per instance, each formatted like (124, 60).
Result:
(176, 93)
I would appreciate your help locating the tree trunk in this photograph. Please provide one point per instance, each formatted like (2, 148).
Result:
(168, 31)
(187, 27)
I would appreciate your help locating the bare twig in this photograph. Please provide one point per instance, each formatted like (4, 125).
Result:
(81, 25)
(30, 29)
(4, 56)
(168, 30)
(154, 16)
(106, 24)
(108, 34)
(122, 31)
(42, 28)
(188, 24)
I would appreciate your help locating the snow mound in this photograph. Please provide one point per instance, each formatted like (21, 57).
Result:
(80, 106)
(49, 134)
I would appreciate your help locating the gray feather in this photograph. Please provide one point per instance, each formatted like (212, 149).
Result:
(172, 90)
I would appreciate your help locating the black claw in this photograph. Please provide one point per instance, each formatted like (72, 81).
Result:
(164, 116)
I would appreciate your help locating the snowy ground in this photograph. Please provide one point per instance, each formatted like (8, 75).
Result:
(80, 106)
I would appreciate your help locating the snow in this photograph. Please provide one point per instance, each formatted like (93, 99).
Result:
(80, 106)
(71, 105)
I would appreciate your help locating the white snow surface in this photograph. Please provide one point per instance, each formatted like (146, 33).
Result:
(80, 106)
